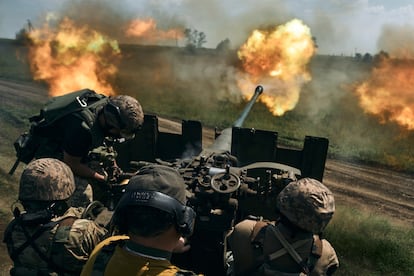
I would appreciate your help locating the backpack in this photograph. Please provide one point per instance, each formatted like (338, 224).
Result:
(82, 103)
(248, 242)
(258, 238)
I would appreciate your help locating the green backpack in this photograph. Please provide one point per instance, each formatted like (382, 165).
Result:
(82, 103)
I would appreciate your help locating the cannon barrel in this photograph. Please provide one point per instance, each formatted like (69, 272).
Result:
(223, 141)
(257, 92)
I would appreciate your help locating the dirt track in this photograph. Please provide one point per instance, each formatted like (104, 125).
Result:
(378, 190)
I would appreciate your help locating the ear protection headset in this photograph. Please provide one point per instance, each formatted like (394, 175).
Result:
(111, 108)
(184, 215)
(113, 118)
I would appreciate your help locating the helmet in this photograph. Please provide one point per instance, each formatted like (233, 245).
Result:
(125, 113)
(46, 179)
(307, 203)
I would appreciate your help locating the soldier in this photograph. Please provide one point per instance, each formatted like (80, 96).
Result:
(71, 137)
(153, 218)
(291, 245)
(48, 237)
(121, 117)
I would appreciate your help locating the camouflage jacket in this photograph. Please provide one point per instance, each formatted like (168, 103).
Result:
(60, 247)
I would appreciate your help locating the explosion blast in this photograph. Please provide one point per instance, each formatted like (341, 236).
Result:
(277, 58)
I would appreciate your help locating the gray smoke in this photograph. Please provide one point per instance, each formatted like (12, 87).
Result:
(397, 40)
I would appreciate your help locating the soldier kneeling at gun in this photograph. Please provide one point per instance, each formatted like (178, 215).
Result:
(291, 245)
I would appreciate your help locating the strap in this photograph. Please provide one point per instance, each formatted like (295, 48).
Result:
(317, 246)
(30, 240)
(104, 256)
(257, 240)
(255, 237)
(290, 249)
(68, 221)
(88, 114)
(283, 251)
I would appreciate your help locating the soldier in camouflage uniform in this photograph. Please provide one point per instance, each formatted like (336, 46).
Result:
(48, 237)
(121, 117)
(293, 244)
(152, 220)
(72, 134)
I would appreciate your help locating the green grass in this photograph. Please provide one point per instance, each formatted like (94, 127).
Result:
(370, 245)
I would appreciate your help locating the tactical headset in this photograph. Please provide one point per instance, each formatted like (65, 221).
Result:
(111, 108)
(113, 113)
(184, 216)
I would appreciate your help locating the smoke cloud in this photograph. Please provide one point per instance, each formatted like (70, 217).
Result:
(397, 40)
(203, 79)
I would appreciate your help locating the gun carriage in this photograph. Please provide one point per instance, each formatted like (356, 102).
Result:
(239, 175)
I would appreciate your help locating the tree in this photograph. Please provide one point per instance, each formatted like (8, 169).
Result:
(23, 35)
(314, 42)
(367, 58)
(223, 45)
(194, 38)
(201, 39)
(381, 56)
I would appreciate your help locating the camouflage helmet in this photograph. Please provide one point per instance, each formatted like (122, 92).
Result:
(307, 203)
(46, 179)
(125, 113)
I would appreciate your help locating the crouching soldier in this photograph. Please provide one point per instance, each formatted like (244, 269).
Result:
(48, 237)
(291, 245)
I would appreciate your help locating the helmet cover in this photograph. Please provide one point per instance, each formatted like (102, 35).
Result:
(307, 203)
(46, 179)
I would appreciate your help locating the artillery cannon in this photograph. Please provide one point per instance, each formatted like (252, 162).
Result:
(240, 174)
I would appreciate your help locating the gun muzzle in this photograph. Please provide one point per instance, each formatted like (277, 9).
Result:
(257, 92)
(223, 142)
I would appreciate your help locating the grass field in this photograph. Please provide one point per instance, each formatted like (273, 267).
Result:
(176, 84)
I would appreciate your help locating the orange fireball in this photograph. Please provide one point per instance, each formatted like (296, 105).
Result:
(146, 31)
(277, 58)
(72, 58)
(389, 91)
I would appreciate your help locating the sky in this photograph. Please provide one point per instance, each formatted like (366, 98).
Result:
(341, 27)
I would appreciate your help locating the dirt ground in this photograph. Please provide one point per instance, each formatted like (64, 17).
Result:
(377, 190)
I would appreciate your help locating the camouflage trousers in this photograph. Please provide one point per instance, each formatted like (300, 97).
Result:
(83, 194)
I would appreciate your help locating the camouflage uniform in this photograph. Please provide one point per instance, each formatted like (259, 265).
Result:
(65, 246)
(268, 248)
(72, 123)
(123, 112)
(40, 243)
